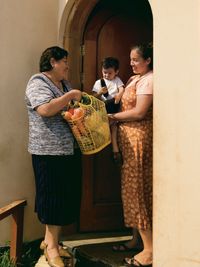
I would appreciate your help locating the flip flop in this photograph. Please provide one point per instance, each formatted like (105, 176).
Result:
(132, 262)
(121, 248)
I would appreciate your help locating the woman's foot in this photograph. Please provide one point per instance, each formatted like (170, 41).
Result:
(144, 258)
(53, 258)
(62, 251)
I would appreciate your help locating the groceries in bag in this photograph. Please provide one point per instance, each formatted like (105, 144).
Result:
(89, 123)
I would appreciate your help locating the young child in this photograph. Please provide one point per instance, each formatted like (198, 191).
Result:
(110, 90)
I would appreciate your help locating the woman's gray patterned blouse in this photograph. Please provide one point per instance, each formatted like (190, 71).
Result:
(47, 135)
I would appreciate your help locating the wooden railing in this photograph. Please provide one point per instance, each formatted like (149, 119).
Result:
(16, 210)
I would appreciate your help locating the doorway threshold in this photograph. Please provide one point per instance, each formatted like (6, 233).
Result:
(95, 238)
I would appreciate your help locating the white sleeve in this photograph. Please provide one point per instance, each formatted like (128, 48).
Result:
(97, 86)
(119, 82)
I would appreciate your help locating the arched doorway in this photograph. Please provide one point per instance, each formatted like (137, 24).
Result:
(108, 28)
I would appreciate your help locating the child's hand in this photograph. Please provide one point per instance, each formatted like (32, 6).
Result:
(117, 98)
(103, 90)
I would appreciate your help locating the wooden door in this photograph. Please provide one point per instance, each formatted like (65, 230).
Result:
(111, 31)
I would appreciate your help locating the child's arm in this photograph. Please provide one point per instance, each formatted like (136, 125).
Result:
(98, 94)
(98, 90)
(119, 94)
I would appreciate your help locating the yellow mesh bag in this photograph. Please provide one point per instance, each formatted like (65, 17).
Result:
(92, 130)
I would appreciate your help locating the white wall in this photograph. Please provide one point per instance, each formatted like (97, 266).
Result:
(26, 29)
(176, 133)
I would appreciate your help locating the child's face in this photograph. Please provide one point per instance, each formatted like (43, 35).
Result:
(109, 73)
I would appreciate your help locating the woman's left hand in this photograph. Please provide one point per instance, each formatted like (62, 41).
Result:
(76, 94)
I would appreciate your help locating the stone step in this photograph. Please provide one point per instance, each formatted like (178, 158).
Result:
(93, 252)
(100, 255)
(43, 263)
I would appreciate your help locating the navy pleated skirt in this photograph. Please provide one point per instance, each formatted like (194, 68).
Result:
(58, 188)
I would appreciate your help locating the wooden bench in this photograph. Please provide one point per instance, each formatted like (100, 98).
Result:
(16, 210)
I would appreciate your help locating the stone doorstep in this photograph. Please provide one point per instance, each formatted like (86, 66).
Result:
(75, 243)
(43, 263)
(72, 244)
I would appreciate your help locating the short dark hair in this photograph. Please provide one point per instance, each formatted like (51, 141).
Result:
(52, 52)
(146, 51)
(110, 62)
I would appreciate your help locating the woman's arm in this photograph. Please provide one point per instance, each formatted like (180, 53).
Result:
(137, 113)
(57, 104)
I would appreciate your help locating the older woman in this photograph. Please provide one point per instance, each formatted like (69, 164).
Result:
(53, 150)
(135, 141)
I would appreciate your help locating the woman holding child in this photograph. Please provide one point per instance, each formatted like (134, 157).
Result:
(135, 141)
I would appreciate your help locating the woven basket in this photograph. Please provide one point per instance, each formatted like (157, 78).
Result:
(92, 130)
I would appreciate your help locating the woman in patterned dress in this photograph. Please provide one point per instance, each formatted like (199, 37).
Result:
(135, 141)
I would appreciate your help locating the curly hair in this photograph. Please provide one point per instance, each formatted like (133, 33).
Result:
(54, 52)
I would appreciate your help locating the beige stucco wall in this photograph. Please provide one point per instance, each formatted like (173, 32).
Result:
(26, 29)
(176, 133)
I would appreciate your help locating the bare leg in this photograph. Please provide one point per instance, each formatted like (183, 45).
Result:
(51, 239)
(146, 256)
(146, 236)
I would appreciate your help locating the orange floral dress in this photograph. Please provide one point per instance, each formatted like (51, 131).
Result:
(135, 142)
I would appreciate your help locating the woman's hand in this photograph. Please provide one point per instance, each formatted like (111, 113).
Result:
(75, 94)
(112, 119)
(143, 103)
(57, 104)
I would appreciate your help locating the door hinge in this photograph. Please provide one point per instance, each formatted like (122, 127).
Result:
(82, 48)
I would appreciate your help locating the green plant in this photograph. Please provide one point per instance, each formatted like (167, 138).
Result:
(30, 255)
(5, 260)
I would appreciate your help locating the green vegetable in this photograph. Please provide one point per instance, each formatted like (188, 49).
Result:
(85, 100)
